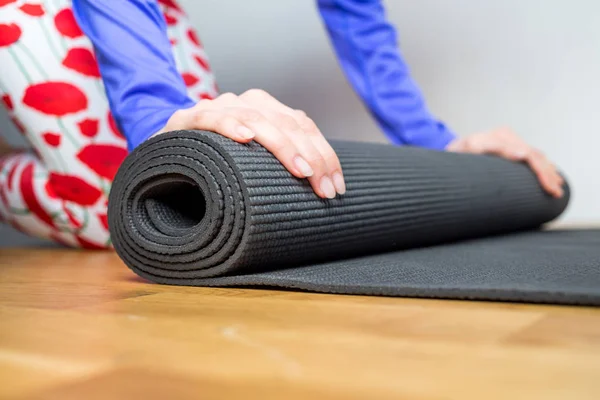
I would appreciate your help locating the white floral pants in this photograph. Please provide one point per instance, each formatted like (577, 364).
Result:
(51, 86)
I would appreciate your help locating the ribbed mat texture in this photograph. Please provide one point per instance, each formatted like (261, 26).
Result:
(195, 208)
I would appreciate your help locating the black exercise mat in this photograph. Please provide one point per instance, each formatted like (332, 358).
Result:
(194, 208)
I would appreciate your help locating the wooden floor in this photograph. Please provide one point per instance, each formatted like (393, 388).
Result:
(80, 325)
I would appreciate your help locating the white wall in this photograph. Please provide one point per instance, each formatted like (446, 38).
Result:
(533, 65)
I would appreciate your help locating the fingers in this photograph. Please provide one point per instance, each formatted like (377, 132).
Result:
(550, 180)
(278, 143)
(332, 161)
(328, 178)
(506, 144)
(504, 147)
(510, 146)
(281, 135)
(288, 134)
(333, 179)
(307, 155)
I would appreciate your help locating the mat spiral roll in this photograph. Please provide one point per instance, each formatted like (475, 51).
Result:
(189, 205)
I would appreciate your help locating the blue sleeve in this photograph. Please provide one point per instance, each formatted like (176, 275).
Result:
(136, 62)
(367, 49)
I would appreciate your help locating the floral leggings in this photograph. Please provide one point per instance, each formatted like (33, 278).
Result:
(51, 86)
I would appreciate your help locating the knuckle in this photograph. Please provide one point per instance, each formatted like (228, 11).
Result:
(287, 122)
(309, 126)
(526, 152)
(300, 113)
(503, 134)
(223, 123)
(537, 154)
(316, 159)
(226, 97)
(204, 103)
(510, 135)
(498, 145)
(280, 147)
(524, 149)
(249, 115)
(331, 157)
(499, 134)
(312, 154)
(255, 93)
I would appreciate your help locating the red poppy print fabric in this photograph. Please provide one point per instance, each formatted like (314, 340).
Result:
(66, 24)
(189, 79)
(89, 127)
(9, 34)
(170, 5)
(35, 10)
(51, 87)
(103, 159)
(52, 139)
(55, 98)
(75, 189)
(83, 61)
(5, 2)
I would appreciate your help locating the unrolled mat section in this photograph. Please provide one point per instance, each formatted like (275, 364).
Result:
(195, 208)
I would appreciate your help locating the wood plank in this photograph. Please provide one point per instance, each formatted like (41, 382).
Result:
(79, 324)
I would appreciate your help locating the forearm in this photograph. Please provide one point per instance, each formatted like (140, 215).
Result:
(367, 49)
(136, 62)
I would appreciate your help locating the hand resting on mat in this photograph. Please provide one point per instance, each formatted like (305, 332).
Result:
(301, 147)
(504, 143)
(289, 134)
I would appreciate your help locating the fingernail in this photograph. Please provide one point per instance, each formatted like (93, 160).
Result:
(338, 182)
(244, 132)
(327, 187)
(303, 166)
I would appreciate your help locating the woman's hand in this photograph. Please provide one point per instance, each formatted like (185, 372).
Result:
(289, 134)
(504, 143)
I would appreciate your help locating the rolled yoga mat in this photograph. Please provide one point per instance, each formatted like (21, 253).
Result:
(195, 208)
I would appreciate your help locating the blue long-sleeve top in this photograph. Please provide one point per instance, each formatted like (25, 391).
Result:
(144, 88)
